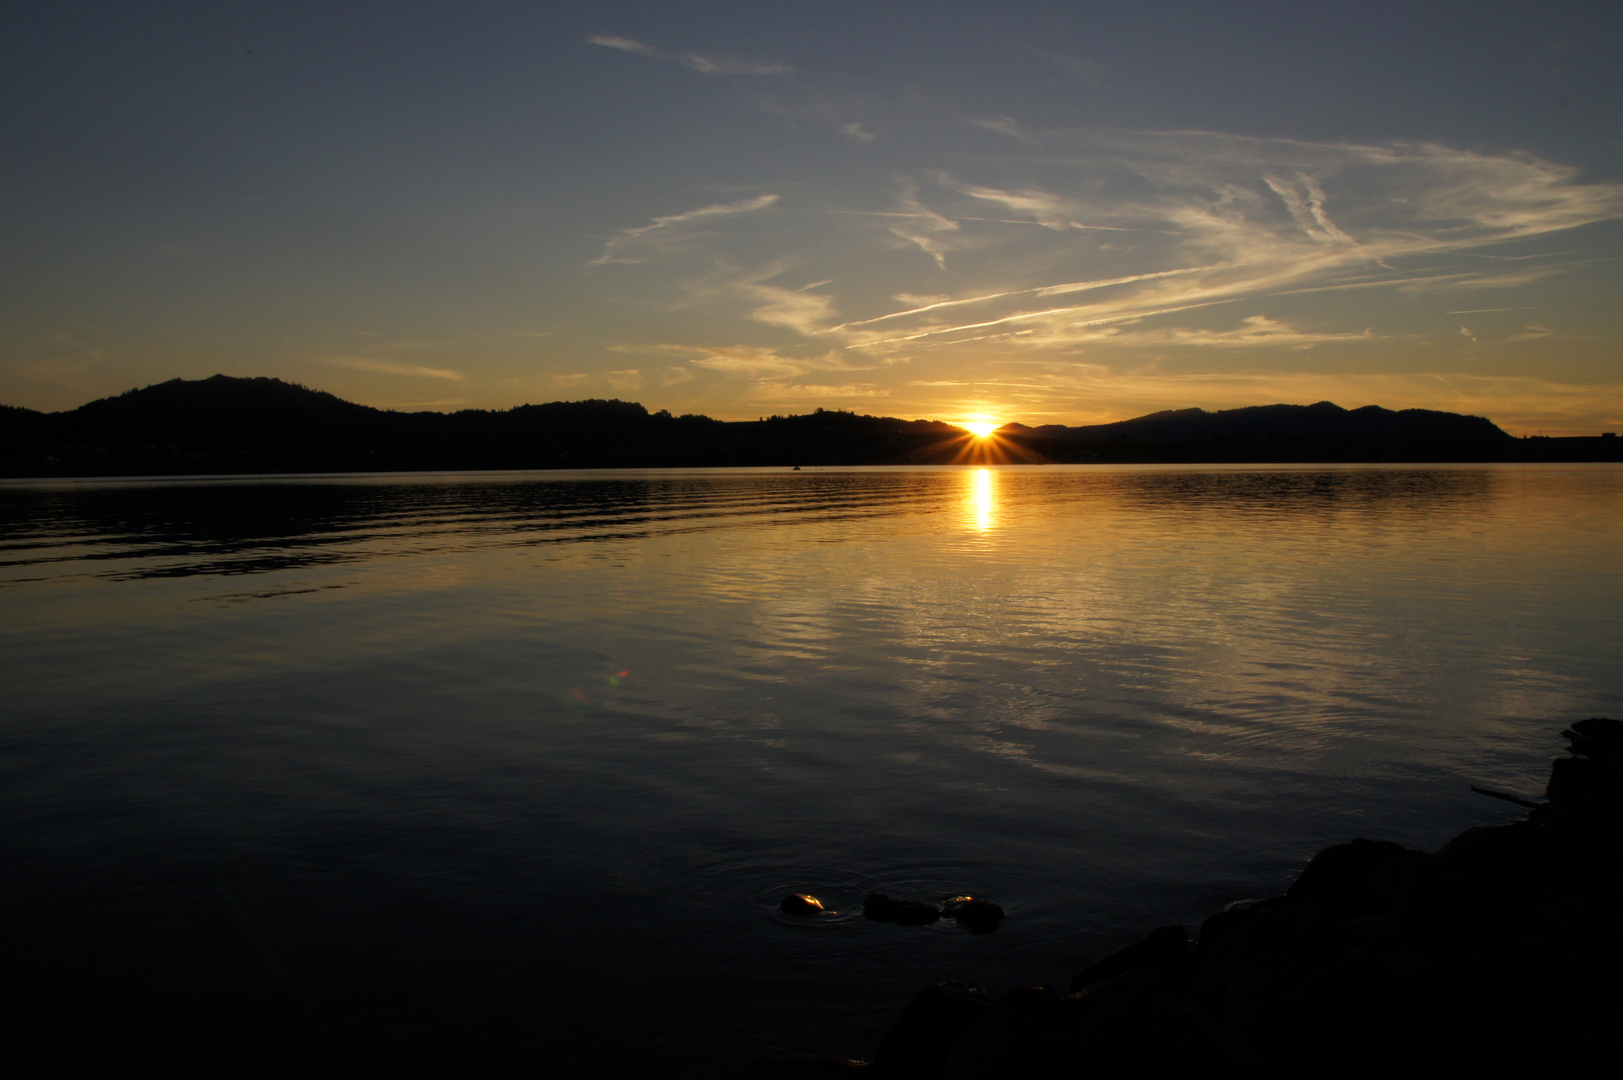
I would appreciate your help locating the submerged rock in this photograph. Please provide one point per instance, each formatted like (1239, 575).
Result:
(972, 913)
(801, 904)
(881, 908)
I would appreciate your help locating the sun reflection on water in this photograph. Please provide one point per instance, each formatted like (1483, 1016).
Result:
(980, 500)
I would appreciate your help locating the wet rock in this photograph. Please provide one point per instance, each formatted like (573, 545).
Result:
(1229, 923)
(1024, 1036)
(973, 914)
(917, 1044)
(1414, 878)
(1037, 1000)
(1162, 1037)
(801, 904)
(1494, 857)
(1584, 781)
(881, 908)
(1166, 948)
(1343, 878)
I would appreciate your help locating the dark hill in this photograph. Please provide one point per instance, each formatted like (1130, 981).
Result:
(180, 399)
(231, 425)
(1324, 421)
(221, 409)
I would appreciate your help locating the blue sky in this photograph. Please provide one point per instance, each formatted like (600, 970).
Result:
(1039, 212)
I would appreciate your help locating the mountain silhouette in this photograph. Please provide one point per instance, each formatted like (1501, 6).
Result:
(1324, 421)
(264, 425)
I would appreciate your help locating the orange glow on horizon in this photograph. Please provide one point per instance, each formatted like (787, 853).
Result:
(980, 428)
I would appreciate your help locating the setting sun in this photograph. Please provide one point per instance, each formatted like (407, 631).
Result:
(979, 428)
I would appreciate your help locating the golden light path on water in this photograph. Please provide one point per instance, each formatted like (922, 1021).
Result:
(980, 499)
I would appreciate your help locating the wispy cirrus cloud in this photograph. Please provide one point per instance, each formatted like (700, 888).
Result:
(706, 65)
(1252, 332)
(1238, 220)
(1125, 248)
(917, 224)
(1043, 207)
(758, 297)
(1304, 198)
(390, 367)
(662, 235)
(1004, 125)
(806, 313)
(754, 363)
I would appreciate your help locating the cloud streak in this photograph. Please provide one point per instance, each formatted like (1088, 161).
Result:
(389, 367)
(1249, 220)
(663, 234)
(705, 65)
(1122, 249)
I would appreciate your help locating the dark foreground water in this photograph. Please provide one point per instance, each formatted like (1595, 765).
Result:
(480, 775)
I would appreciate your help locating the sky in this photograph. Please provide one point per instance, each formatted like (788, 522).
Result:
(1043, 212)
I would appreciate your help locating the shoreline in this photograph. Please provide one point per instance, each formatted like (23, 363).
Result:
(1490, 956)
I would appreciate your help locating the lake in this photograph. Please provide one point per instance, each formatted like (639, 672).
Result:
(489, 773)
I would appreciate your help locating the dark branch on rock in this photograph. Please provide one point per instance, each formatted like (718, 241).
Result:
(1505, 795)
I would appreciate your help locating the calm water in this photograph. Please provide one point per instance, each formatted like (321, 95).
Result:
(512, 770)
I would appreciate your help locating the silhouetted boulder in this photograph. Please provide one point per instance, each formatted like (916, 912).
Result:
(1498, 860)
(881, 908)
(1165, 948)
(1597, 736)
(973, 914)
(1584, 780)
(917, 1044)
(1343, 877)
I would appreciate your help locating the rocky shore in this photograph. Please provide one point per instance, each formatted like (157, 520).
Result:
(1495, 956)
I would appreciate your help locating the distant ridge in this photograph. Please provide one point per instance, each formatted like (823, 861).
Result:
(226, 425)
(1323, 421)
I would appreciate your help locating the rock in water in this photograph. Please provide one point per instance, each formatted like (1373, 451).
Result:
(801, 904)
(973, 914)
(881, 908)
